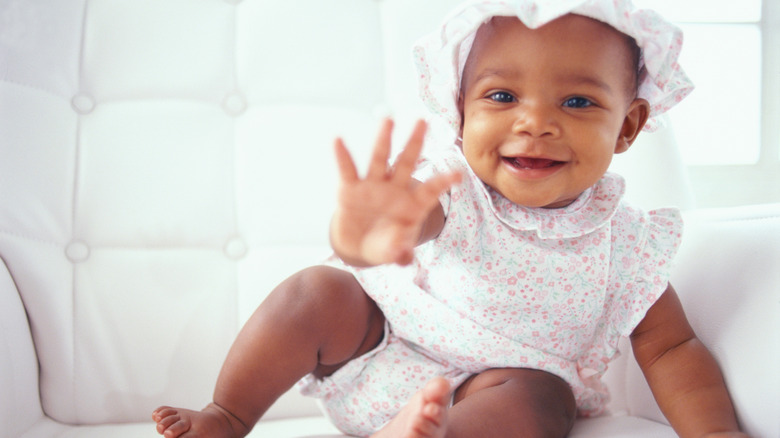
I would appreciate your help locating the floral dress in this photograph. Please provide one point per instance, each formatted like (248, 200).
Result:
(507, 286)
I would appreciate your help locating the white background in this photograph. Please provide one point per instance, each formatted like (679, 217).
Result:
(729, 128)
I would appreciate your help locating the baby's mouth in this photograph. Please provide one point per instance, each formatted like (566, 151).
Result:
(531, 163)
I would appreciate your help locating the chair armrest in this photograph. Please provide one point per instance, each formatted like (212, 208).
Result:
(727, 276)
(20, 405)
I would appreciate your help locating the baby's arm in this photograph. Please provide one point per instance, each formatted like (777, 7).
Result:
(684, 377)
(382, 217)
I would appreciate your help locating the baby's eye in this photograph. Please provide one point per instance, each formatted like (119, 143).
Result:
(577, 102)
(502, 97)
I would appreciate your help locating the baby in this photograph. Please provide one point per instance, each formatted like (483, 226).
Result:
(482, 292)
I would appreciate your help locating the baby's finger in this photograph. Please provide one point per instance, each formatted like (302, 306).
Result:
(407, 159)
(347, 169)
(428, 192)
(377, 168)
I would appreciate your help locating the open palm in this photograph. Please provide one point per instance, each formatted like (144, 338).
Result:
(379, 218)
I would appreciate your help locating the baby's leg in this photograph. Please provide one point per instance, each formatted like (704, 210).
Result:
(496, 403)
(313, 322)
(512, 402)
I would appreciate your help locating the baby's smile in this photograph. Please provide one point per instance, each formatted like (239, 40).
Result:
(532, 163)
(526, 168)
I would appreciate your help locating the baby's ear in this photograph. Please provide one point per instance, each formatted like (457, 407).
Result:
(636, 117)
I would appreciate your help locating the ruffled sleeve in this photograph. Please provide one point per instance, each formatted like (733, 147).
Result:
(643, 249)
(645, 254)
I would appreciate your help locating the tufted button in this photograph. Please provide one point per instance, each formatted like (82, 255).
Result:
(234, 103)
(235, 248)
(82, 103)
(77, 251)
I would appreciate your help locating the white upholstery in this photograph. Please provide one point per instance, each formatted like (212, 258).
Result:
(165, 163)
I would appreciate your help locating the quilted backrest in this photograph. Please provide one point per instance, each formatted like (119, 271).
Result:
(165, 163)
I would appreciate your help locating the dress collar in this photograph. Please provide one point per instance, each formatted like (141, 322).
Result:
(592, 210)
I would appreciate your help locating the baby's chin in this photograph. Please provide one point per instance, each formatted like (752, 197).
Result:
(530, 200)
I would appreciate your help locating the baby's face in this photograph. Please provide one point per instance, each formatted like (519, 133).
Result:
(544, 110)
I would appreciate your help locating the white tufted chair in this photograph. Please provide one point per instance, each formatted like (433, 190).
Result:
(165, 163)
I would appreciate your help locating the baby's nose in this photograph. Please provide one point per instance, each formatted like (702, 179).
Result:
(536, 120)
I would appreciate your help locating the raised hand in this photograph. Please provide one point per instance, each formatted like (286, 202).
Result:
(379, 219)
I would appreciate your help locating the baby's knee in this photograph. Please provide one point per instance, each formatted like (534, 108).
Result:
(550, 398)
(331, 305)
(542, 403)
(323, 294)
(321, 285)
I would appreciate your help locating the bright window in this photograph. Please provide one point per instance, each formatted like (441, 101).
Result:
(720, 122)
(728, 129)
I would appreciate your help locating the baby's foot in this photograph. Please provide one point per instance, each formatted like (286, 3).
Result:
(424, 417)
(212, 421)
